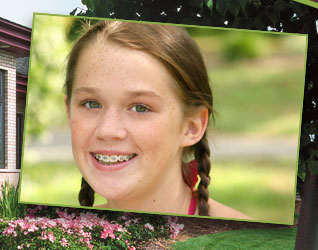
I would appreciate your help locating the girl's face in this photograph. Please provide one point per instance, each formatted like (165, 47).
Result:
(126, 121)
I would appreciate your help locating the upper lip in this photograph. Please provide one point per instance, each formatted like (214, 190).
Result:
(111, 152)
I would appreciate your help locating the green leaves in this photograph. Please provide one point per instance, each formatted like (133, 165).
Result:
(299, 9)
(221, 6)
(243, 4)
(313, 166)
(72, 13)
(230, 6)
(209, 3)
(99, 8)
(197, 2)
(309, 152)
(9, 206)
(90, 4)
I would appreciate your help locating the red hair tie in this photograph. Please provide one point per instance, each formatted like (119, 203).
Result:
(193, 166)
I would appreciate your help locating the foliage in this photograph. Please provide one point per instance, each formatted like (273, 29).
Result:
(243, 45)
(309, 149)
(247, 14)
(53, 228)
(45, 105)
(9, 206)
(260, 239)
(276, 15)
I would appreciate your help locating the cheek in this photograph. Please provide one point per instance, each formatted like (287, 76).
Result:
(159, 137)
(81, 129)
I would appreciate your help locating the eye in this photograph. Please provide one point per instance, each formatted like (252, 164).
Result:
(140, 108)
(91, 105)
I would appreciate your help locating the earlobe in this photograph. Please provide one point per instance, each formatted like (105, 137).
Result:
(196, 126)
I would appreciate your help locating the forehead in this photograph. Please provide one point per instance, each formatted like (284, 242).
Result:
(105, 63)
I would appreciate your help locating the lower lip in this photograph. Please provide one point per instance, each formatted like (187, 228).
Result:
(113, 167)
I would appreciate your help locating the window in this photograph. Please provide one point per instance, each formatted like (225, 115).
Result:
(20, 120)
(2, 120)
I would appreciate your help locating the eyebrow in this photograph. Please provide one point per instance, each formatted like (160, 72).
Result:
(85, 89)
(138, 93)
(132, 93)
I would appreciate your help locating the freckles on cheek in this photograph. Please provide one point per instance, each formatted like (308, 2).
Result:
(80, 126)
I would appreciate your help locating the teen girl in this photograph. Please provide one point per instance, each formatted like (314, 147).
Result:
(138, 102)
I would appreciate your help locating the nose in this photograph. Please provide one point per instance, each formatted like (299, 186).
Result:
(111, 126)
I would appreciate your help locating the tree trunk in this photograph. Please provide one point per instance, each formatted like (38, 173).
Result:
(307, 229)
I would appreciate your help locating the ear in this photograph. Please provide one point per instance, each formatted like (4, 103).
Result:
(195, 126)
(67, 109)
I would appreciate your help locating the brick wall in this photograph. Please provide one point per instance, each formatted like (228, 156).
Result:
(8, 65)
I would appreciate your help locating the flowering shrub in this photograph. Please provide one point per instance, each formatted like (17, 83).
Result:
(58, 228)
(174, 227)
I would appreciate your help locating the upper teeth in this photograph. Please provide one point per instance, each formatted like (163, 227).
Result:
(112, 158)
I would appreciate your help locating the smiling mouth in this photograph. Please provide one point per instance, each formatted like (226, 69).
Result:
(112, 159)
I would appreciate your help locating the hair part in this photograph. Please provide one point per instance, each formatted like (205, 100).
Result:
(180, 55)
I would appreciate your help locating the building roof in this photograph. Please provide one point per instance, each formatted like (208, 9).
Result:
(15, 38)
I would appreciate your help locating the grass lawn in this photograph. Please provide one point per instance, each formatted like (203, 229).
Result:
(260, 239)
(256, 95)
(253, 101)
(262, 189)
(264, 192)
(55, 183)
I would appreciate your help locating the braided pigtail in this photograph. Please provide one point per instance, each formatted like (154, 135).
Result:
(202, 156)
(86, 194)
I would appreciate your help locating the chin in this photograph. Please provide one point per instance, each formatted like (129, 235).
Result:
(113, 193)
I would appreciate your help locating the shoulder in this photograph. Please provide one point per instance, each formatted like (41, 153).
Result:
(217, 209)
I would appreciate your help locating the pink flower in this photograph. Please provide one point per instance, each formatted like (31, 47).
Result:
(129, 247)
(90, 246)
(64, 242)
(32, 228)
(175, 229)
(127, 223)
(9, 230)
(51, 223)
(51, 237)
(150, 227)
(107, 232)
(43, 236)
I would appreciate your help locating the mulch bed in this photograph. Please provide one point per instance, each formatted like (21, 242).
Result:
(194, 227)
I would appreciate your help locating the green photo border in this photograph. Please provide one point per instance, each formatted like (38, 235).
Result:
(308, 2)
(183, 25)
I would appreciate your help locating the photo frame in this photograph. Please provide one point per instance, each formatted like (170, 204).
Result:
(224, 145)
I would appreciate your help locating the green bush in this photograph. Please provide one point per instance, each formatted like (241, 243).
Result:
(9, 206)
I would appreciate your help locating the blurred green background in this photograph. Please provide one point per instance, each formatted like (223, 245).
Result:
(257, 81)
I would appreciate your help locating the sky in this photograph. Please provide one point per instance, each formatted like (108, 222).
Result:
(21, 11)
